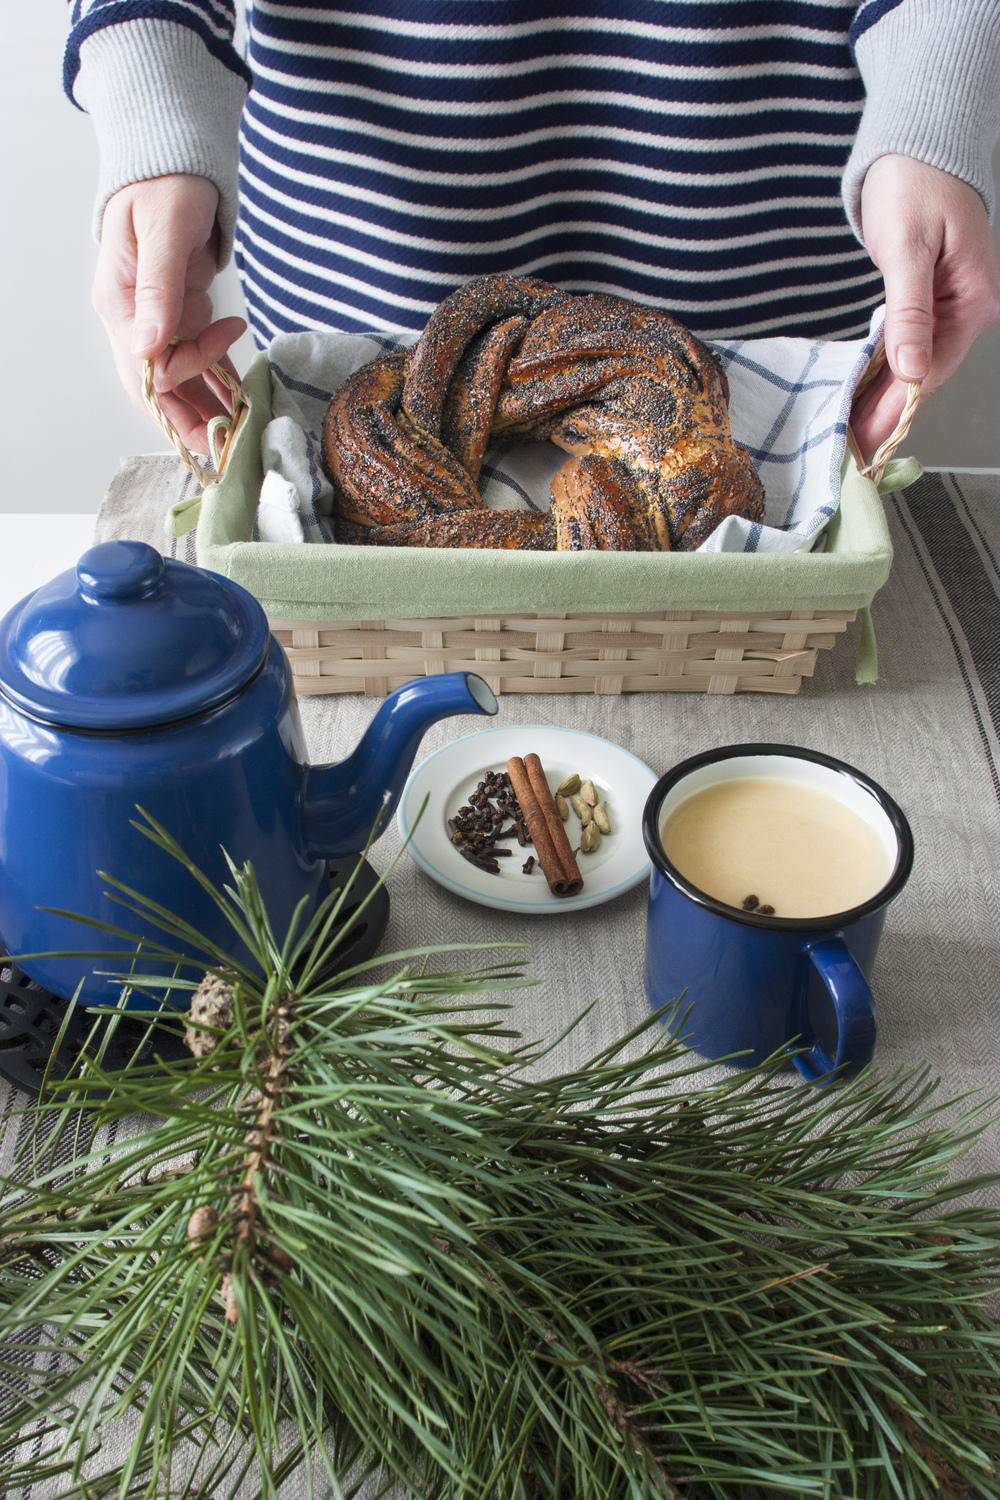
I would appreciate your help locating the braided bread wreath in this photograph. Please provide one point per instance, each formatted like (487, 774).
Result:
(640, 403)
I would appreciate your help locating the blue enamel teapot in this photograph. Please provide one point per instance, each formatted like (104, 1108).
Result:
(137, 680)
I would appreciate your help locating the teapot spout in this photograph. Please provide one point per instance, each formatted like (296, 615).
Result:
(341, 803)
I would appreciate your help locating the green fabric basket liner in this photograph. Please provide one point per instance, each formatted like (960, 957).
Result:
(340, 582)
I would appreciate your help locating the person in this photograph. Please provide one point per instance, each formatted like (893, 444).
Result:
(752, 166)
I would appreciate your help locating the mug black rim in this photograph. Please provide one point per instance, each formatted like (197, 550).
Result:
(892, 810)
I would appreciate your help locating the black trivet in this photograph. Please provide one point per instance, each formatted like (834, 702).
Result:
(30, 1017)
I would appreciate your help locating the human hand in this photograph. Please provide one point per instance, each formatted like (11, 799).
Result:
(929, 236)
(158, 256)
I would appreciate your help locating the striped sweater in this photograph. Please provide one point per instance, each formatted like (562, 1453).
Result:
(705, 156)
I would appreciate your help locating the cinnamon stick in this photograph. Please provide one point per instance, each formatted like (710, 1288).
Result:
(556, 826)
(552, 847)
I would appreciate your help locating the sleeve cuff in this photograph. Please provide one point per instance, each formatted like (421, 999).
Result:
(161, 103)
(932, 79)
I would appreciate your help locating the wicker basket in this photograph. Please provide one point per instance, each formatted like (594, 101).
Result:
(676, 651)
(735, 625)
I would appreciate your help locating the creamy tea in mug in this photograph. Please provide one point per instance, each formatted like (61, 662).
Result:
(822, 850)
(796, 847)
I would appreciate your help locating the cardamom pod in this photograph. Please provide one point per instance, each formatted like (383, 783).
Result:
(562, 806)
(590, 838)
(569, 786)
(581, 809)
(601, 817)
(589, 793)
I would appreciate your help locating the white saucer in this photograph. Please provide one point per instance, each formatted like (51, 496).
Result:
(448, 777)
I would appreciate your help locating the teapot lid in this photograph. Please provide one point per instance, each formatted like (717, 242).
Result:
(129, 640)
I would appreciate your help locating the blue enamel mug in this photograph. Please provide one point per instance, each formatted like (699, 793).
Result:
(756, 984)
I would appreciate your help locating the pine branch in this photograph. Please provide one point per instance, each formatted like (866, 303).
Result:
(624, 1419)
(259, 1141)
(358, 1235)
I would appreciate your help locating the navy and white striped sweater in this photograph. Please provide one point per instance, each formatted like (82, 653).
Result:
(686, 154)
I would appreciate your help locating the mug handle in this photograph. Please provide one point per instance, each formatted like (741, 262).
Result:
(855, 1009)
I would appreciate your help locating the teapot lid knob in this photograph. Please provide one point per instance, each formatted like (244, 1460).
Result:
(119, 570)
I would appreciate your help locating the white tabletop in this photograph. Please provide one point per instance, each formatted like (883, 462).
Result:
(34, 548)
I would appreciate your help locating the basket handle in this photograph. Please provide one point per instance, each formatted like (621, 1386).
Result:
(876, 469)
(231, 425)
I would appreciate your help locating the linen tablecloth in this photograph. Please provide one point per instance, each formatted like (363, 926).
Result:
(928, 731)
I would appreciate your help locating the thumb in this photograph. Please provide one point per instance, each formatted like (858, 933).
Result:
(909, 311)
(161, 267)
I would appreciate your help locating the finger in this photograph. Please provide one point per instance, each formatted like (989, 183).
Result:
(909, 310)
(200, 397)
(223, 392)
(127, 373)
(190, 417)
(161, 266)
(877, 410)
(192, 357)
(960, 317)
(113, 293)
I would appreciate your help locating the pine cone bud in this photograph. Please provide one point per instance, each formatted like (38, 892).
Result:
(280, 1257)
(229, 1298)
(202, 1222)
(212, 1004)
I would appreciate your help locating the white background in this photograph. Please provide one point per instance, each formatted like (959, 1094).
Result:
(64, 419)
